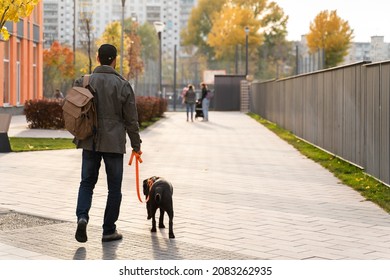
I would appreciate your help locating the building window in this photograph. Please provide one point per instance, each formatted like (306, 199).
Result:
(36, 33)
(20, 28)
(6, 96)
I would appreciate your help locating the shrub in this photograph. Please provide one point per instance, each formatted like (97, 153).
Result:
(144, 108)
(47, 113)
(44, 113)
(163, 106)
(149, 107)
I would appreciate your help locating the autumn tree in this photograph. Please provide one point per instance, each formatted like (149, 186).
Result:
(217, 28)
(149, 41)
(228, 30)
(86, 29)
(82, 63)
(136, 65)
(332, 34)
(13, 10)
(58, 68)
(199, 26)
(275, 52)
(146, 83)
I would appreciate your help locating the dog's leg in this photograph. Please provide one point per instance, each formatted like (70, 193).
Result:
(161, 219)
(171, 234)
(153, 224)
(153, 221)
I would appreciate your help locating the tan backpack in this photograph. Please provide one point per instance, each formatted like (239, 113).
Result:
(79, 111)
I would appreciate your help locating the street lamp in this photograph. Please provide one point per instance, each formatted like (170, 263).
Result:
(74, 32)
(122, 38)
(159, 26)
(246, 50)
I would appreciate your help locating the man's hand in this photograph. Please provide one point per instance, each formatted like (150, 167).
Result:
(137, 156)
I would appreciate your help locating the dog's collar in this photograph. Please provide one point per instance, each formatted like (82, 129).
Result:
(151, 182)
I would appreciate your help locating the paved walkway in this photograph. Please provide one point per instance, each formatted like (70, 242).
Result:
(239, 193)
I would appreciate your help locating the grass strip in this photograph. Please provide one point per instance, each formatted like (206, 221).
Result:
(19, 144)
(22, 144)
(370, 188)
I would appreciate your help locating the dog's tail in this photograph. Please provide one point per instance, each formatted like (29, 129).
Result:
(157, 198)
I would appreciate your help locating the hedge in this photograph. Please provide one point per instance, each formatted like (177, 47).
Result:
(47, 113)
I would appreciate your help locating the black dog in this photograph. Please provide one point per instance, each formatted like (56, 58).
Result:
(158, 193)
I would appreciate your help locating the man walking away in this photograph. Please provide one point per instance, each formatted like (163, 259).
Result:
(117, 116)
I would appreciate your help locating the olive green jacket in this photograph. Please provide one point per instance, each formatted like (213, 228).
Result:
(117, 113)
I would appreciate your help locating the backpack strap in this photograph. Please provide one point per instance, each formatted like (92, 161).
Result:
(94, 108)
(86, 80)
(87, 85)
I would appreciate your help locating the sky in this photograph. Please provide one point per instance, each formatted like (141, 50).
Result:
(366, 17)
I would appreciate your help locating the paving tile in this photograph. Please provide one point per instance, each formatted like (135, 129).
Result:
(240, 192)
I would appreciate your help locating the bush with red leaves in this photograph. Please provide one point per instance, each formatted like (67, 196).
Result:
(47, 113)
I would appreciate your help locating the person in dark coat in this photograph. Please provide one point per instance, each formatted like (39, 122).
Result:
(190, 99)
(117, 117)
(205, 102)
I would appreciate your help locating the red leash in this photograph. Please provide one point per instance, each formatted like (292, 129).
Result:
(137, 160)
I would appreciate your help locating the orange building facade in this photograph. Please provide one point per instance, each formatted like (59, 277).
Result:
(21, 62)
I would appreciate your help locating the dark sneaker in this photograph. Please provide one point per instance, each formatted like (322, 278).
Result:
(112, 237)
(81, 232)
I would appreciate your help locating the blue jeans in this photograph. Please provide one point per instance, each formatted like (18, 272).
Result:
(91, 162)
(190, 108)
(205, 108)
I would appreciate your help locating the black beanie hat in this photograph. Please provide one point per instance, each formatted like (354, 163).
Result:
(107, 53)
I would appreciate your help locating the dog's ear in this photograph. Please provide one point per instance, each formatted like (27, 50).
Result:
(146, 187)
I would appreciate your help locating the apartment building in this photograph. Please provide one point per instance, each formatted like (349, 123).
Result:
(58, 22)
(21, 62)
(59, 18)
(376, 50)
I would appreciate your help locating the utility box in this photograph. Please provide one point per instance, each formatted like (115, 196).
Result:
(5, 121)
(227, 95)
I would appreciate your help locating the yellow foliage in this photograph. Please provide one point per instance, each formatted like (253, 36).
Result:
(229, 30)
(12, 10)
(112, 35)
(200, 22)
(4, 33)
(330, 33)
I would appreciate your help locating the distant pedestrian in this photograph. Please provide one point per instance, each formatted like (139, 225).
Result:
(183, 93)
(190, 99)
(206, 95)
(58, 94)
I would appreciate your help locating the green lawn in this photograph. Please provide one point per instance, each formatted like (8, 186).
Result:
(39, 144)
(350, 175)
(21, 144)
